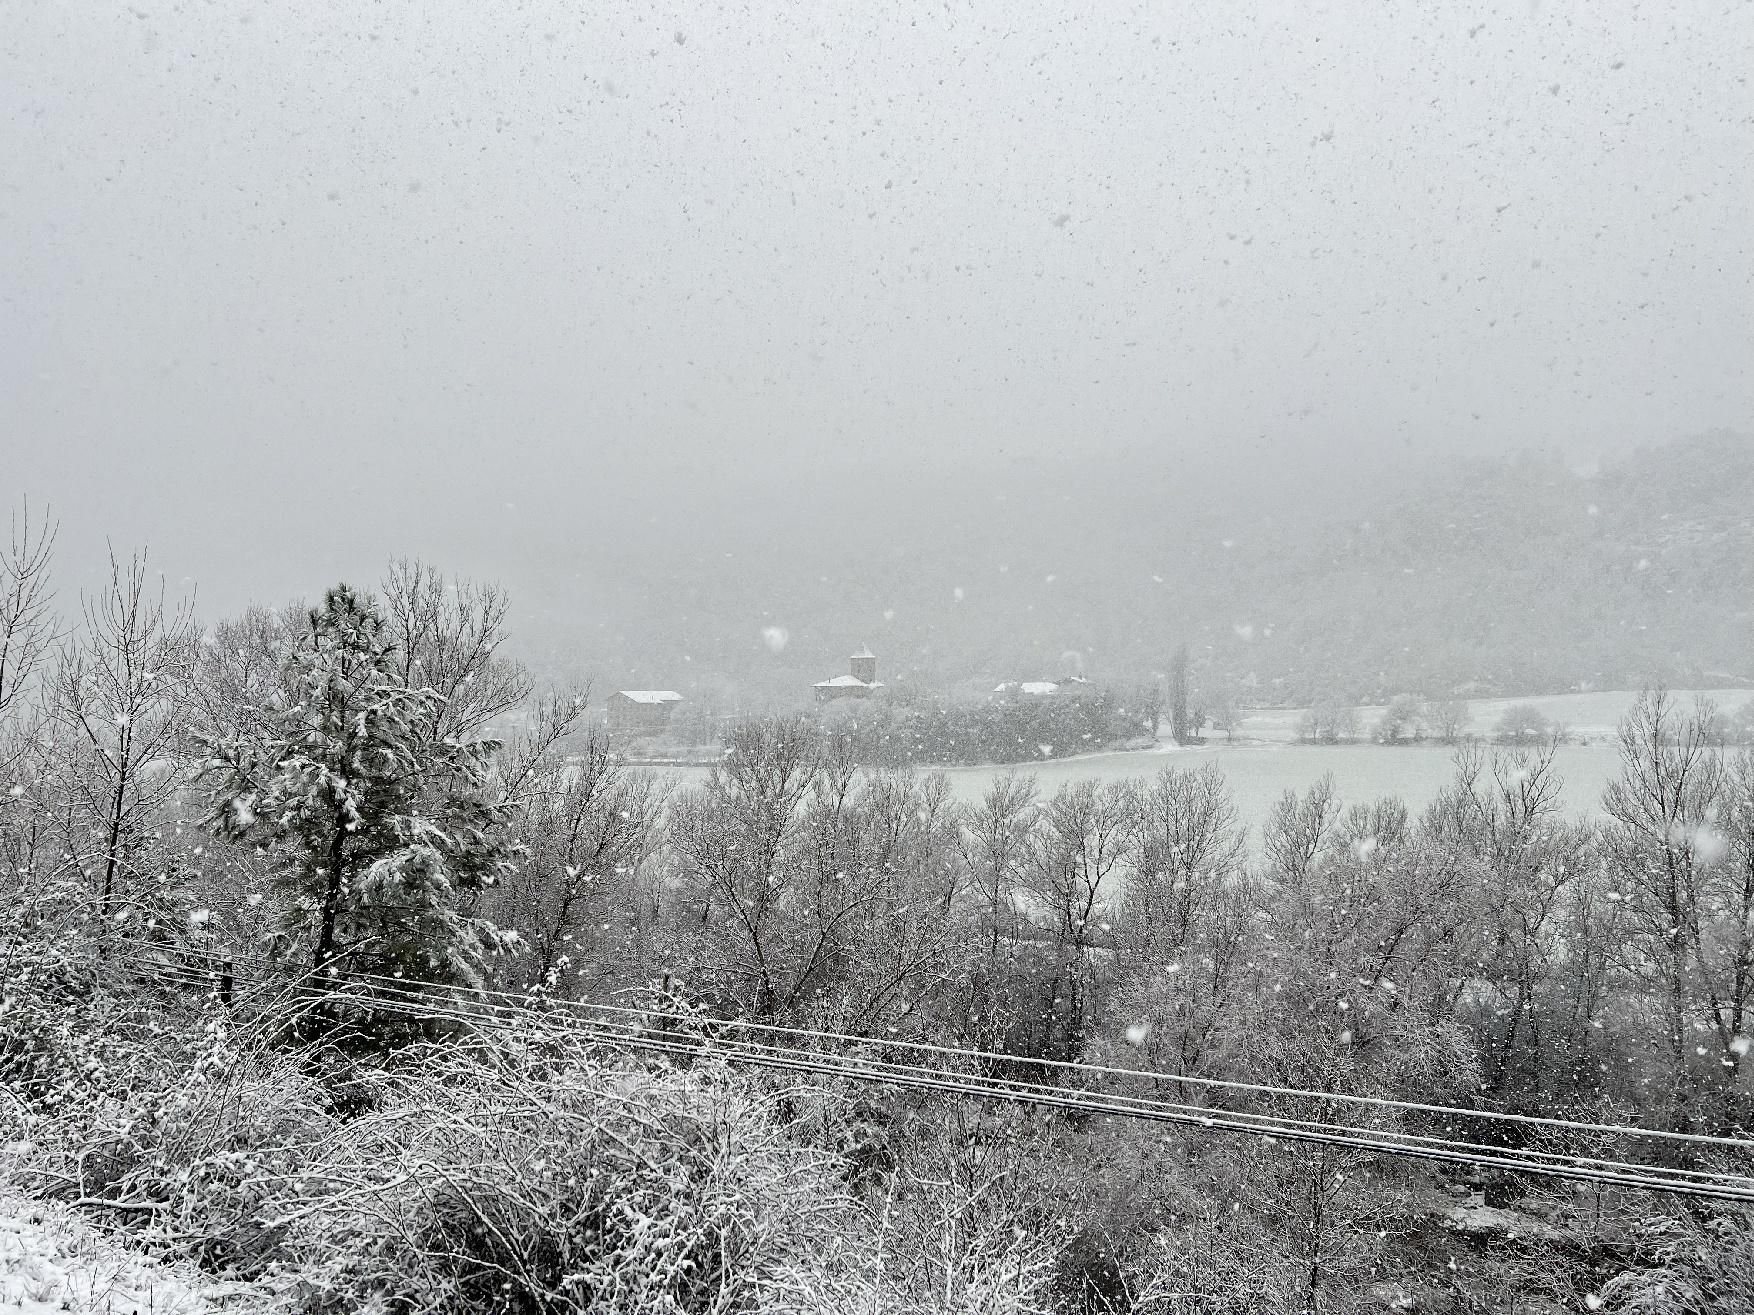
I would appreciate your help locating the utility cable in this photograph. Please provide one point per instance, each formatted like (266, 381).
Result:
(404, 997)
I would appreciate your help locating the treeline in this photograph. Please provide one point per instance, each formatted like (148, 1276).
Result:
(1409, 719)
(311, 796)
(927, 731)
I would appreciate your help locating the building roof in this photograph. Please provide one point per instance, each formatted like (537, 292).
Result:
(650, 695)
(843, 682)
(1027, 687)
(864, 653)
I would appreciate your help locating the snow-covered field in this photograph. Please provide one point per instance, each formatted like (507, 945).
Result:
(53, 1261)
(1265, 758)
(1590, 716)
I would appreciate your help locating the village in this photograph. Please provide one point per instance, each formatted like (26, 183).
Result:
(646, 717)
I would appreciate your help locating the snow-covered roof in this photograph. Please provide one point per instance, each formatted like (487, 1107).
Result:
(843, 682)
(1026, 687)
(650, 695)
(864, 653)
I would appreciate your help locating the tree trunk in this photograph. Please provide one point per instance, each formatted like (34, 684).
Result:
(331, 908)
(112, 843)
(1312, 1293)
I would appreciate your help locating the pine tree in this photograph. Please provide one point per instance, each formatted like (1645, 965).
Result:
(379, 829)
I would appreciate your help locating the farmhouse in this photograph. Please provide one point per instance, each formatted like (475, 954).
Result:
(860, 682)
(635, 712)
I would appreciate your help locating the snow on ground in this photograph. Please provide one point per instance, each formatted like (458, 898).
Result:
(1590, 716)
(54, 1261)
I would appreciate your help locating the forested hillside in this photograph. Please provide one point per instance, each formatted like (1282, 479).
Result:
(1509, 577)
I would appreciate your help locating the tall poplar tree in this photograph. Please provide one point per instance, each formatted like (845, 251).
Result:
(1181, 726)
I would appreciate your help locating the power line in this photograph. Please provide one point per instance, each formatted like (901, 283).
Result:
(1201, 1112)
(621, 1028)
(983, 1056)
(1264, 1124)
(1617, 1173)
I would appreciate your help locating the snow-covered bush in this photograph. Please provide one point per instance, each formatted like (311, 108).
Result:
(50, 1024)
(1328, 721)
(1695, 1267)
(512, 1186)
(1523, 723)
(183, 1135)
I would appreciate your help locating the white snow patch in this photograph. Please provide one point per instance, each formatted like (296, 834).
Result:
(52, 1260)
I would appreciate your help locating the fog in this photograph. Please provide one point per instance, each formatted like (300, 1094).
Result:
(981, 658)
(289, 289)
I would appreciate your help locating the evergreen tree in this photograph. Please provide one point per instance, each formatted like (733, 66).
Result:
(379, 829)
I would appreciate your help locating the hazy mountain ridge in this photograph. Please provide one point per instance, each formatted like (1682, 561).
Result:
(1507, 577)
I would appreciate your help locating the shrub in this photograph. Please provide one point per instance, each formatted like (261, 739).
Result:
(189, 1150)
(1523, 723)
(518, 1187)
(1692, 1267)
(1449, 719)
(1329, 721)
(1405, 718)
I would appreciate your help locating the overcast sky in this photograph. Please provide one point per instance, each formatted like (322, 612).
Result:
(268, 267)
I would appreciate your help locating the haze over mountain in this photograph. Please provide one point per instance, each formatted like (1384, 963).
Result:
(885, 304)
(1517, 576)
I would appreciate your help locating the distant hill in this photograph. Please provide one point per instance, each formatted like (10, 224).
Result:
(1296, 577)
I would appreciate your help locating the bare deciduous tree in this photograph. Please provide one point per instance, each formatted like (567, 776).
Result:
(526, 757)
(1405, 718)
(879, 888)
(731, 838)
(1663, 808)
(1524, 723)
(995, 840)
(26, 607)
(1727, 946)
(241, 670)
(1186, 917)
(447, 635)
(1187, 845)
(586, 825)
(1503, 817)
(116, 701)
(1300, 829)
(1450, 719)
(1328, 721)
(1073, 874)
